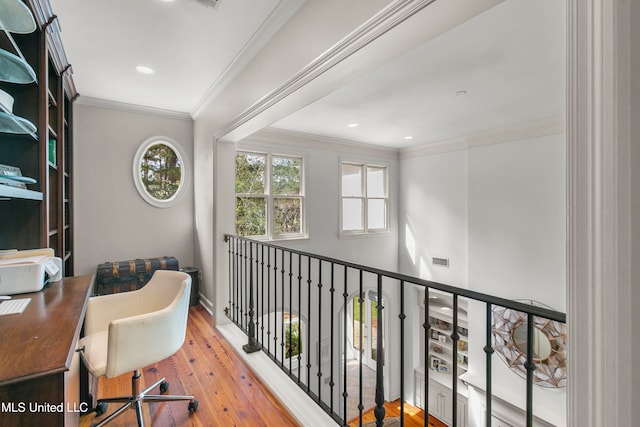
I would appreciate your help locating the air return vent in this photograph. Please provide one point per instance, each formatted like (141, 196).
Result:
(442, 262)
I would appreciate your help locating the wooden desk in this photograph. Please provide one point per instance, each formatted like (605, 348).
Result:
(39, 367)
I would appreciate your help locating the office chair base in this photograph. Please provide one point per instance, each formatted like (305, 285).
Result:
(136, 399)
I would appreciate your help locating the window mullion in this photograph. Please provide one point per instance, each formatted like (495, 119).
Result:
(269, 197)
(365, 200)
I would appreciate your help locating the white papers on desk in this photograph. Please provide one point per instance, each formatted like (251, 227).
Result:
(13, 306)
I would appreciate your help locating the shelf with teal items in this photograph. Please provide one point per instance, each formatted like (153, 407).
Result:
(9, 192)
(10, 123)
(15, 17)
(15, 69)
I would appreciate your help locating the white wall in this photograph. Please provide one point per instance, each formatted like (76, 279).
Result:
(517, 218)
(112, 222)
(498, 213)
(322, 198)
(434, 217)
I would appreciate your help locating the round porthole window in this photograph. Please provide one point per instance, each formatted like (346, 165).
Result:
(160, 171)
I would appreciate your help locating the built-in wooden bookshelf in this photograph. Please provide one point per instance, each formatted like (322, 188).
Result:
(39, 214)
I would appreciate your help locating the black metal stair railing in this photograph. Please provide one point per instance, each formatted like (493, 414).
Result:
(293, 305)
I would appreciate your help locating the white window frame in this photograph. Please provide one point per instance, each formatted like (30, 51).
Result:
(365, 231)
(269, 196)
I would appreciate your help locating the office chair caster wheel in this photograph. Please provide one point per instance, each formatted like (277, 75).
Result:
(193, 406)
(164, 386)
(101, 408)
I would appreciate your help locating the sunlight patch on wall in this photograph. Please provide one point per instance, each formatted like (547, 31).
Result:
(410, 244)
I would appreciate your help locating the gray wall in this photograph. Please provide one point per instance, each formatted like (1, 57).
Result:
(112, 221)
(635, 200)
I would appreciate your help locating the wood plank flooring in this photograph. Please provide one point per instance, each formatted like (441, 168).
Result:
(207, 367)
(413, 416)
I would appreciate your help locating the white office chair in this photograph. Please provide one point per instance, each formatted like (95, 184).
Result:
(127, 331)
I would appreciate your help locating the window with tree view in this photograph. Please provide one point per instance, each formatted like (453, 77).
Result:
(269, 195)
(160, 171)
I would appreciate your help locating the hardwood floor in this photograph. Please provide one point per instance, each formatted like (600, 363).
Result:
(413, 416)
(207, 367)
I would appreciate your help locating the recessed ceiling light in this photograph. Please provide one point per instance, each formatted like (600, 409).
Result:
(144, 70)
(408, 137)
(352, 125)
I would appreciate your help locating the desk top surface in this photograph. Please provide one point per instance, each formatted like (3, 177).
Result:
(42, 339)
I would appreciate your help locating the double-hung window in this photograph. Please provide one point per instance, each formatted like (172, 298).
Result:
(364, 199)
(269, 195)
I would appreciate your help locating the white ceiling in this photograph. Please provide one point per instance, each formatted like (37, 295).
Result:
(191, 46)
(509, 61)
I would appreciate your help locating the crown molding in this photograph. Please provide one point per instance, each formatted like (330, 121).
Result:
(521, 131)
(309, 141)
(133, 108)
(394, 14)
(280, 14)
(525, 130)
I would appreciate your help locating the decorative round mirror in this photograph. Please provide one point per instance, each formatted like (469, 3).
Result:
(541, 344)
(160, 171)
(509, 340)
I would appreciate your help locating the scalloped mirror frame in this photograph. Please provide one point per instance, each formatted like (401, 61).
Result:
(184, 171)
(551, 369)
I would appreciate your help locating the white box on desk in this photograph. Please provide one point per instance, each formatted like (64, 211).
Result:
(26, 273)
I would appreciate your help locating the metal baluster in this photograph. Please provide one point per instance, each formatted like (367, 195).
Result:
(345, 394)
(257, 290)
(229, 243)
(320, 330)
(488, 350)
(275, 303)
(454, 379)
(427, 327)
(379, 410)
(309, 325)
(242, 285)
(269, 301)
(283, 334)
(332, 291)
(234, 281)
(530, 366)
(360, 349)
(262, 293)
(402, 318)
(291, 307)
(299, 315)
(252, 345)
